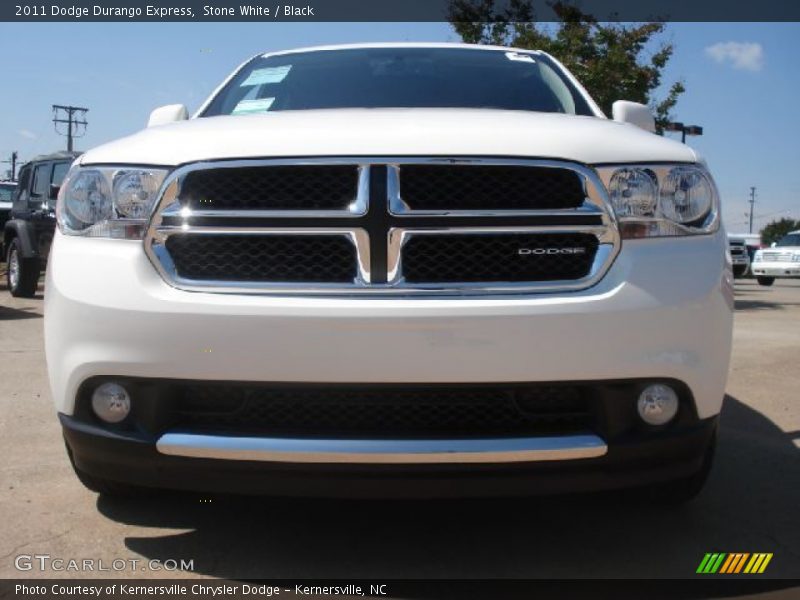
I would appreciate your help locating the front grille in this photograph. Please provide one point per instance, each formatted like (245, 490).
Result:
(395, 411)
(385, 225)
(279, 258)
(490, 187)
(498, 257)
(318, 187)
(776, 256)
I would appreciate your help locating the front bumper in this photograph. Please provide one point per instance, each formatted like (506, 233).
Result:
(663, 310)
(133, 458)
(739, 260)
(776, 269)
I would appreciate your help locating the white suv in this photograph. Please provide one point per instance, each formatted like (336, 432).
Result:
(782, 260)
(391, 270)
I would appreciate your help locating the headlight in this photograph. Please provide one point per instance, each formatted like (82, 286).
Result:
(686, 196)
(108, 201)
(757, 257)
(796, 258)
(89, 199)
(662, 200)
(135, 192)
(634, 193)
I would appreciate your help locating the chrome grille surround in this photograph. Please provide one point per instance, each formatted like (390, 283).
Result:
(169, 217)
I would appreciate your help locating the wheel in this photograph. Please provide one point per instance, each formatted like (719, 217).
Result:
(106, 487)
(22, 274)
(766, 281)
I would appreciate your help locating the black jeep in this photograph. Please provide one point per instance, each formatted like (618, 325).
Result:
(28, 233)
(6, 196)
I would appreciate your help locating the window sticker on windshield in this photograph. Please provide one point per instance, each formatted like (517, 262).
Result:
(268, 75)
(520, 57)
(246, 107)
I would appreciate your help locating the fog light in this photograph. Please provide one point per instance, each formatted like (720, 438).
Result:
(657, 404)
(111, 402)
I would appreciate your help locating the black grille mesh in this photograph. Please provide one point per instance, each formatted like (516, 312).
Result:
(486, 187)
(397, 410)
(434, 258)
(275, 258)
(302, 187)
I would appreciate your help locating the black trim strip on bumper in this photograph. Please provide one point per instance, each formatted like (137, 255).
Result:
(133, 458)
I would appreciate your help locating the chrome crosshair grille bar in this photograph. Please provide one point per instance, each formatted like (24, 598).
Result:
(379, 224)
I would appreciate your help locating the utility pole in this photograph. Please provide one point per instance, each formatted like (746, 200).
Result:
(74, 117)
(13, 161)
(752, 204)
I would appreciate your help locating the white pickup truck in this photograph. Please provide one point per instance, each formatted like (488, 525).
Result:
(391, 270)
(780, 261)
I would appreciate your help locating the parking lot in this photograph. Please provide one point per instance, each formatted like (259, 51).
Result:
(749, 505)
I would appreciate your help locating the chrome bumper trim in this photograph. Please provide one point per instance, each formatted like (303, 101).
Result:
(395, 451)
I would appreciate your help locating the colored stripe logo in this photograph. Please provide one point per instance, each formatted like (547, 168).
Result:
(734, 562)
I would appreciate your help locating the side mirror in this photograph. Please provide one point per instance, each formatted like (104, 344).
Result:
(773, 245)
(54, 189)
(168, 114)
(634, 113)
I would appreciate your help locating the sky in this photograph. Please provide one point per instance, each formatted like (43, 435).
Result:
(742, 85)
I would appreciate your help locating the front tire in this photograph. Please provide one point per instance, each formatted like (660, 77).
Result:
(739, 271)
(765, 281)
(22, 274)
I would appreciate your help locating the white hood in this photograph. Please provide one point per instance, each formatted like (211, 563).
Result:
(392, 132)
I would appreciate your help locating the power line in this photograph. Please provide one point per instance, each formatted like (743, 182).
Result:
(75, 116)
(761, 217)
(777, 212)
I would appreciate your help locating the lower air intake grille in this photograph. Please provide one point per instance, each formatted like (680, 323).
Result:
(393, 411)
(274, 258)
(498, 257)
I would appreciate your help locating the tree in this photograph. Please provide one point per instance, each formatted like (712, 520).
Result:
(777, 229)
(610, 59)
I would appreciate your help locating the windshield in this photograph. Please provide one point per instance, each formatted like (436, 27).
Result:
(7, 192)
(399, 78)
(793, 239)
